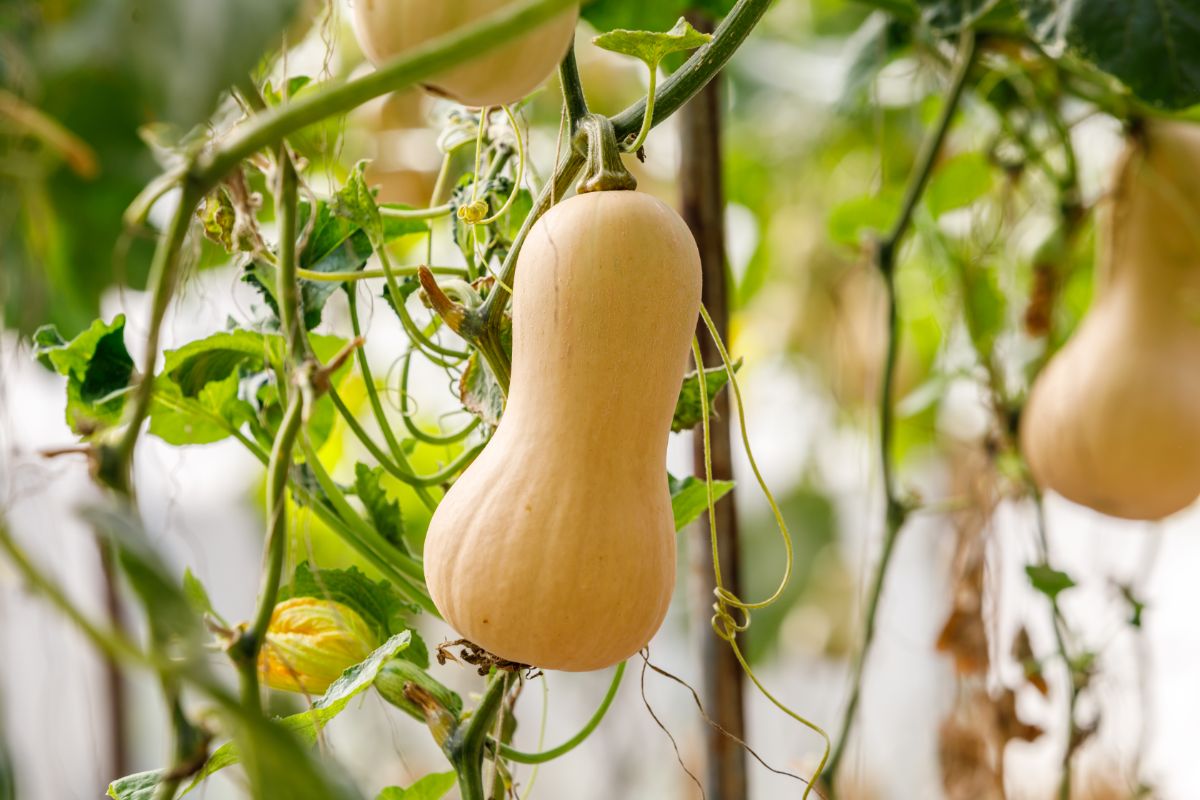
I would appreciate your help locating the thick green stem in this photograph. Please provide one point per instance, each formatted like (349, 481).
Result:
(291, 317)
(467, 747)
(572, 89)
(576, 740)
(279, 467)
(895, 508)
(164, 277)
(604, 170)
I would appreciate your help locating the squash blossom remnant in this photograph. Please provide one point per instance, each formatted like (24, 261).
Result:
(310, 642)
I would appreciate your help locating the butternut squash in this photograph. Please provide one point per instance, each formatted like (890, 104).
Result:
(556, 548)
(1113, 422)
(387, 28)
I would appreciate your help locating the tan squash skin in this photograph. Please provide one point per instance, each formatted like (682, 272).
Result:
(556, 548)
(387, 28)
(1113, 422)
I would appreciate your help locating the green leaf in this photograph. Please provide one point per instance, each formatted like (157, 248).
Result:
(1153, 46)
(98, 369)
(959, 182)
(140, 786)
(377, 603)
(197, 395)
(430, 787)
(355, 201)
(688, 413)
(216, 357)
(653, 47)
(689, 497)
(1049, 581)
(307, 724)
(384, 512)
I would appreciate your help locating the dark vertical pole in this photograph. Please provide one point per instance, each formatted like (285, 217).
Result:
(703, 201)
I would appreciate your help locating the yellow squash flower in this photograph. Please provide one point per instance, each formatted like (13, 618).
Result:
(310, 642)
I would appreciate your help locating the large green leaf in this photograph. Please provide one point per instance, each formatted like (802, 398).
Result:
(652, 46)
(1153, 46)
(218, 356)
(98, 369)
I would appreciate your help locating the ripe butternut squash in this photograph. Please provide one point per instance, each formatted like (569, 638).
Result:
(387, 28)
(556, 548)
(1113, 422)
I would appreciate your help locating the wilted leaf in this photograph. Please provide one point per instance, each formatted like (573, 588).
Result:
(1008, 724)
(480, 393)
(1022, 652)
(964, 636)
(687, 408)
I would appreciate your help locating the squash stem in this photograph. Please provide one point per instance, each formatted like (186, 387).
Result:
(604, 171)
(468, 746)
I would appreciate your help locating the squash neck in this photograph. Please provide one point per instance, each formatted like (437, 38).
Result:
(1153, 250)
